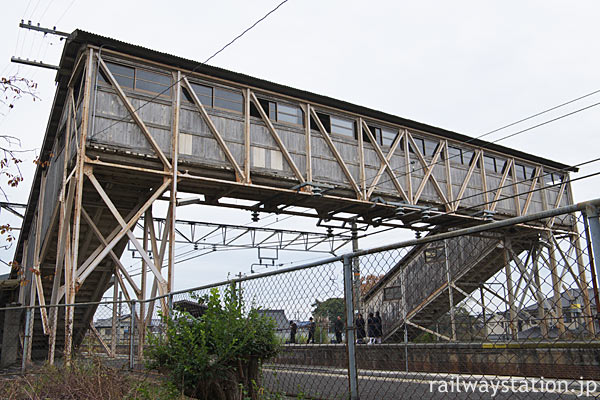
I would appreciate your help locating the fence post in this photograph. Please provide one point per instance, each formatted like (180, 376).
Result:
(591, 213)
(350, 333)
(132, 335)
(26, 342)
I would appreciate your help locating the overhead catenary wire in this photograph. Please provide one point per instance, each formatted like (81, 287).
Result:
(503, 138)
(506, 197)
(454, 201)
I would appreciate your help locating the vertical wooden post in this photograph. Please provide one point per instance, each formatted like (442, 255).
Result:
(409, 192)
(36, 266)
(484, 329)
(142, 319)
(308, 143)
(79, 176)
(587, 307)
(509, 289)
(356, 271)
(516, 189)
(361, 160)
(481, 161)
(31, 314)
(539, 295)
(556, 287)
(247, 138)
(173, 199)
(583, 282)
(23, 287)
(113, 329)
(63, 221)
(450, 293)
(449, 195)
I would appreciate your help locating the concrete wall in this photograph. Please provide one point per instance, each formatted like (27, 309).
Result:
(572, 360)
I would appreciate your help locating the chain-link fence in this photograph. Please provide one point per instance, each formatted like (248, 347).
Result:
(504, 310)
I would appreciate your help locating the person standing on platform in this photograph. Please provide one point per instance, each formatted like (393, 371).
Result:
(311, 330)
(338, 326)
(360, 329)
(371, 328)
(293, 329)
(378, 328)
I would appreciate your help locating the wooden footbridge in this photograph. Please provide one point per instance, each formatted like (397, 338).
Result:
(131, 127)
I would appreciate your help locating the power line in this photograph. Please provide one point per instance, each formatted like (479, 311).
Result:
(64, 13)
(35, 9)
(193, 70)
(515, 133)
(247, 29)
(517, 182)
(46, 10)
(519, 194)
(541, 113)
(438, 215)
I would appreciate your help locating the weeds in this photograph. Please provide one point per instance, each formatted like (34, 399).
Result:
(85, 380)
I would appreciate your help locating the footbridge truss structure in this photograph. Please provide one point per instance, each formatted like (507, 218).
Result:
(131, 127)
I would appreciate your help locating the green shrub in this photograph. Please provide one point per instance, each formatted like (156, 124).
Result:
(216, 356)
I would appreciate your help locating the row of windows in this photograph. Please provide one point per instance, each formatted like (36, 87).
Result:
(279, 112)
(218, 97)
(138, 79)
(498, 165)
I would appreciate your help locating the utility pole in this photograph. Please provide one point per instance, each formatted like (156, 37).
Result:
(45, 31)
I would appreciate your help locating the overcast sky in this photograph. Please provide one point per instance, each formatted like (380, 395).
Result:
(466, 66)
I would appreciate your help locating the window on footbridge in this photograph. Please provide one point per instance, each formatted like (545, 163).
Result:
(138, 79)
(392, 293)
(216, 97)
(524, 172)
(455, 155)
(228, 99)
(494, 164)
(279, 112)
(383, 136)
(342, 126)
(552, 178)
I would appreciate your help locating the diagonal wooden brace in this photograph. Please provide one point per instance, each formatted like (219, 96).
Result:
(134, 114)
(112, 254)
(91, 263)
(127, 228)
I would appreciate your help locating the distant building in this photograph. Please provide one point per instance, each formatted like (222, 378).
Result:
(104, 327)
(282, 324)
(527, 322)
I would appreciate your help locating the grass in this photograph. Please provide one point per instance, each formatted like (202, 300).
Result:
(87, 380)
